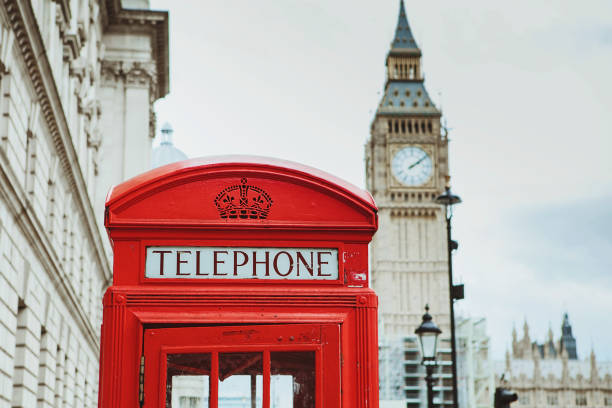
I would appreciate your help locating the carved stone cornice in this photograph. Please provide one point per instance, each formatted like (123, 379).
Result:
(157, 24)
(413, 212)
(134, 73)
(111, 72)
(29, 40)
(77, 69)
(141, 74)
(72, 45)
(407, 139)
(65, 8)
(7, 38)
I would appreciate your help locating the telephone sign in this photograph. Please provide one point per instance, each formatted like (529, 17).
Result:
(239, 282)
(241, 263)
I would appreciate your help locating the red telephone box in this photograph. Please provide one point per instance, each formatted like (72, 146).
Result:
(239, 282)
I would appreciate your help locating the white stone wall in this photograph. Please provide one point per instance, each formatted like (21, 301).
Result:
(475, 378)
(53, 263)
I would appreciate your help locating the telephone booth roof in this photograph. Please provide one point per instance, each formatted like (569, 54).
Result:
(190, 194)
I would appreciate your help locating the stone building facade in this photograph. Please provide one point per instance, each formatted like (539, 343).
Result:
(550, 374)
(406, 169)
(77, 82)
(475, 379)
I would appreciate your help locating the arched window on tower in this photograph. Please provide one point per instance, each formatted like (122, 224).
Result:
(403, 126)
(423, 127)
(429, 127)
(411, 71)
(390, 126)
(396, 127)
(409, 126)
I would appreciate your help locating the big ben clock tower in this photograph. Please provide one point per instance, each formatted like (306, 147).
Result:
(406, 168)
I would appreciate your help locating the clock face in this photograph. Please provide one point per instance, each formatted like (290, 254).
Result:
(412, 166)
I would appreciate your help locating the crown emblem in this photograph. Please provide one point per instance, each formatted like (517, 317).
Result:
(243, 201)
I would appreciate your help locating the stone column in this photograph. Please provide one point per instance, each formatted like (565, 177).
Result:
(127, 122)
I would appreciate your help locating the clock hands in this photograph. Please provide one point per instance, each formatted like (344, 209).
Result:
(411, 166)
(417, 162)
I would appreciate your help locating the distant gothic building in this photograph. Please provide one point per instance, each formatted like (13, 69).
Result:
(550, 373)
(78, 79)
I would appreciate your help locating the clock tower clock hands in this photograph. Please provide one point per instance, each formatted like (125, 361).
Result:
(417, 162)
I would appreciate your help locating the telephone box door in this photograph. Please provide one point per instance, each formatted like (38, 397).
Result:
(254, 366)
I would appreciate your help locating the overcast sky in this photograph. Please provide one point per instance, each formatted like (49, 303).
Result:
(525, 87)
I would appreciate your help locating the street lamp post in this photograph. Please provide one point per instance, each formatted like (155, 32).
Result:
(455, 291)
(428, 337)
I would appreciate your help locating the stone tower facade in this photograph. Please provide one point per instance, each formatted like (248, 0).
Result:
(406, 169)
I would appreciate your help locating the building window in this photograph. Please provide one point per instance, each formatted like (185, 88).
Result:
(189, 402)
(552, 399)
(608, 400)
(581, 399)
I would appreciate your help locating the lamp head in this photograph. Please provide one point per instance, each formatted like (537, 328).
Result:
(447, 198)
(428, 334)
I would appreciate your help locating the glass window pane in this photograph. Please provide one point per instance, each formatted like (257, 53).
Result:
(292, 381)
(187, 380)
(240, 380)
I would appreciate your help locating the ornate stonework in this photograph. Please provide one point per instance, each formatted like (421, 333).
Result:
(59, 151)
(551, 374)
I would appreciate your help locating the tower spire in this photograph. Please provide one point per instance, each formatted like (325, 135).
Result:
(404, 57)
(568, 341)
(403, 40)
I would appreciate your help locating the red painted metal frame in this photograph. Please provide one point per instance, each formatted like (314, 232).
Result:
(173, 205)
(159, 343)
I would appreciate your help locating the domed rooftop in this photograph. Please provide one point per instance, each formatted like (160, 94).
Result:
(166, 153)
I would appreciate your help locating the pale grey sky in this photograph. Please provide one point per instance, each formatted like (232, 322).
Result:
(525, 87)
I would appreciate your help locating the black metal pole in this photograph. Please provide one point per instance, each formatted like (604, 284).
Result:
(452, 303)
(429, 379)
